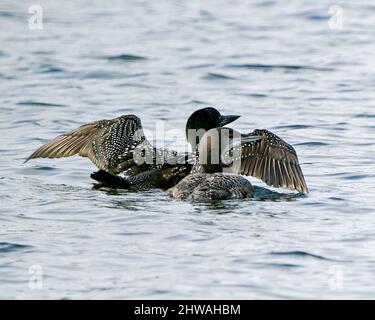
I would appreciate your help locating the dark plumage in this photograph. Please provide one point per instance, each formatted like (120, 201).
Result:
(119, 146)
(201, 187)
(260, 154)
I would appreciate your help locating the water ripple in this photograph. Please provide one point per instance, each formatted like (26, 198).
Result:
(365, 115)
(270, 67)
(312, 144)
(217, 76)
(125, 58)
(357, 176)
(10, 247)
(313, 85)
(39, 104)
(47, 68)
(302, 254)
(294, 126)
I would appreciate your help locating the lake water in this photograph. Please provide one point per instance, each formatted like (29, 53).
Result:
(287, 66)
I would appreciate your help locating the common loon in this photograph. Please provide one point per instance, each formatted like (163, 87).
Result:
(111, 145)
(228, 154)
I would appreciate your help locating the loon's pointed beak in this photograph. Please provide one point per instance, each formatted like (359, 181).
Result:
(224, 120)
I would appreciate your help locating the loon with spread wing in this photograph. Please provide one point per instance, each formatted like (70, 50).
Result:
(113, 146)
(225, 155)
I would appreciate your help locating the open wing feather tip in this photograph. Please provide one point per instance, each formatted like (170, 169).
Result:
(272, 160)
(107, 143)
(70, 143)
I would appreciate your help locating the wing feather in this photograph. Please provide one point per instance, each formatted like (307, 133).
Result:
(272, 160)
(105, 142)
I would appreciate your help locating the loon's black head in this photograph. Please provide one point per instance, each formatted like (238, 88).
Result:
(203, 120)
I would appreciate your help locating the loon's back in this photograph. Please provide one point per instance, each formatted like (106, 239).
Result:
(202, 187)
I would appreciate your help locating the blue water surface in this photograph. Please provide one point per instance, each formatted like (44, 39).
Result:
(281, 64)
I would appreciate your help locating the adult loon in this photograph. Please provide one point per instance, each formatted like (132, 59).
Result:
(113, 146)
(224, 154)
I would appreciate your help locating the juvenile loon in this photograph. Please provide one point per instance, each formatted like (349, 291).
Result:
(260, 154)
(111, 146)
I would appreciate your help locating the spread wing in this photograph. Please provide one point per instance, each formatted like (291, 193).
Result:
(107, 143)
(269, 158)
